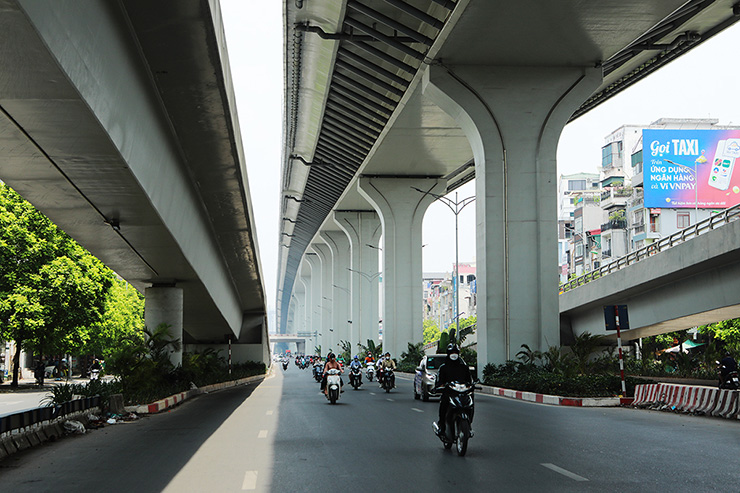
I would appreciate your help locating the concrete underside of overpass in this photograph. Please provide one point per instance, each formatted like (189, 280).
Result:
(695, 283)
(476, 88)
(117, 121)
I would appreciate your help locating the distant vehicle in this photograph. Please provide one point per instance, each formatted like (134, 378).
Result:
(426, 376)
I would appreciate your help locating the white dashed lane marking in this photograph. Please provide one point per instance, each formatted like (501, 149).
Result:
(250, 480)
(263, 434)
(417, 410)
(564, 472)
(390, 400)
(269, 413)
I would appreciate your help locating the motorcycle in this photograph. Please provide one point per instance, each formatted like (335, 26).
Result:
(729, 381)
(370, 371)
(333, 385)
(458, 416)
(94, 374)
(285, 364)
(355, 377)
(387, 379)
(318, 370)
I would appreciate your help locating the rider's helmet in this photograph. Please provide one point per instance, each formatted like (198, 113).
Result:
(356, 357)
(453, 352)
(330, 356)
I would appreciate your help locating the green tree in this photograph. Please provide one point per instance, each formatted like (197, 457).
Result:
(431, 332)
(727, 332)
(51, 289)
(122, 326)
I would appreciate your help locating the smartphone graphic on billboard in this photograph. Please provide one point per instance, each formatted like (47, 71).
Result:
(724, 163)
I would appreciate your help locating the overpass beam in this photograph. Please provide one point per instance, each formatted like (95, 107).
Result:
(164, 305)
(401, 211)
(341, 295)
(513, 117)
(363, 229)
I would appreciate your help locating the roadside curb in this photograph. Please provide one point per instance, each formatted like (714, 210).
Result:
(556, 400)
(553, 400)
(178, 398)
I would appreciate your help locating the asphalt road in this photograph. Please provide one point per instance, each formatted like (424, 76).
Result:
(282, 436)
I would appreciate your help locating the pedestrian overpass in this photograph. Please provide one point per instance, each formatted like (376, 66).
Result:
(689, 279)
(118, 121)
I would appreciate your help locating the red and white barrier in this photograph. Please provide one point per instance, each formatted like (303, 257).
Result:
(726, 406)
(690, 399)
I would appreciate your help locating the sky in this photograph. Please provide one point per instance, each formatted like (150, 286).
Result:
(701, 84)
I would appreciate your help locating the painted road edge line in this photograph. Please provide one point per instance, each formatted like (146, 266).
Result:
(564, 472)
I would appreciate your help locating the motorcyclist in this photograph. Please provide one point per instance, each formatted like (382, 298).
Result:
(331, 364)
(454, 369)
(726, 366)
(387, 363)
(369, 358)
(356, 365)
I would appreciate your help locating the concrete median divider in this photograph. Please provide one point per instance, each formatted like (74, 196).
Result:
(689, 399)
(176, 399)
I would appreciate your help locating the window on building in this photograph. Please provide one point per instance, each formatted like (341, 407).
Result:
(637, 217)
(578, 225)
(576, 184)
(683, 220)
(637, 159)
(611, 155)
(579, 249)
(654, 223)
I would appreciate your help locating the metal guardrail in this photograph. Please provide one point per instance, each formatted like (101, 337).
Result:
(24, 419)
(705, 226)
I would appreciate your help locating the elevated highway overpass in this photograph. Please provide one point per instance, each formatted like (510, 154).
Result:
(388, 99)
(118, 121)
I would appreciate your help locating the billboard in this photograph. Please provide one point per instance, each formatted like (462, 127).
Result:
(671, 158)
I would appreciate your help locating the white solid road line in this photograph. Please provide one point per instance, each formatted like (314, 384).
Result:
(263, 434)
(250, 480)
(417, 410)
(564, 472)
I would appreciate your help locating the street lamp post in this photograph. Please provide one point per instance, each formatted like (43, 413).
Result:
(456, 207)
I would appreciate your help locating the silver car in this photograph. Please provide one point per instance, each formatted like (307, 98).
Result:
(426, 376)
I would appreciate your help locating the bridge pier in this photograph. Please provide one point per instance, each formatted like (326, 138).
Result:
(326, 303)
(363, 229)
(340, 294)
(513, 117)
(401, 210)
(164, 305)
(315, 264)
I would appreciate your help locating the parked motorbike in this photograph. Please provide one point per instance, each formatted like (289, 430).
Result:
(387, 379)
(458, 416)
(355, 377)
(370, 371)
(333, 385)
(94, 374)
(728, 381)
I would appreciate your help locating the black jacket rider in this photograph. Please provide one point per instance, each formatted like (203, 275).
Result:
(451, 371)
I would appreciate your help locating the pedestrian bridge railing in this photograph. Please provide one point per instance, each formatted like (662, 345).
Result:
(702, 227)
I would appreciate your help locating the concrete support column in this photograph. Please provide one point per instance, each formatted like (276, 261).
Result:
(341, 295)
(300, 311)
(401, 209)
(316, 272)
(363, 230)
(326, 302)
(513, 117)
(163, 305)
(305, 282)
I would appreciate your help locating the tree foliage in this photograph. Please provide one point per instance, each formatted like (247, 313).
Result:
(51, 289)
(727, 332)
(431, 332)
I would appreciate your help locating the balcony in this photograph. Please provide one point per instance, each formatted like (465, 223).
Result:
(615, 197)
(614, 224)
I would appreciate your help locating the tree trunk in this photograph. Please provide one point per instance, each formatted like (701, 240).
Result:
(16, 363)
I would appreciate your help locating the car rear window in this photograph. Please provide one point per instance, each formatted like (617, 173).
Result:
(434, 362)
